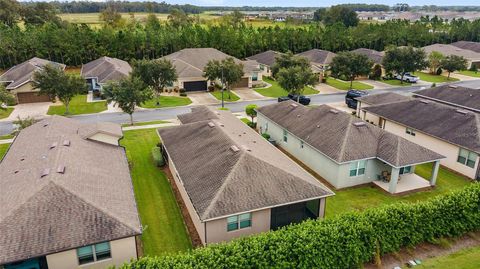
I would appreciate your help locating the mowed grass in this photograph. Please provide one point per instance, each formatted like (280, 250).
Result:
(145, 123)
(3, 149)
(164, 229)
(464, 259)
(167, 101)
(78, 105)
(8, 136)
(395, 82)
(360, 198)
(434, 78)
(345, 85)
(470, 73)
(5, 112)
(277, 91)
(229, 97)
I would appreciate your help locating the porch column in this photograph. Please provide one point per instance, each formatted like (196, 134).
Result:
(393, 180)
(433, 179)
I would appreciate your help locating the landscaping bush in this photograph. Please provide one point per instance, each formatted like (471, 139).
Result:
(266, 136)
(252, 124)
(183, 94)
(439, 71)
(347, 241)
(473, 68)
(158, 157)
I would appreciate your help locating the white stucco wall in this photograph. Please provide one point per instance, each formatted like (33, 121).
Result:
(122, 250)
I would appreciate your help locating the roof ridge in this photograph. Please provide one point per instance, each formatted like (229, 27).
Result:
(344, 142)
(178, 59)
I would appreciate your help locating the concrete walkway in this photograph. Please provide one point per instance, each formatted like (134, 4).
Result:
(247, 94)
(202, 98)
(35, 110)
(377, 84)
(6, 141)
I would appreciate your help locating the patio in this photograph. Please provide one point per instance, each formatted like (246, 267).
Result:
(406, 183)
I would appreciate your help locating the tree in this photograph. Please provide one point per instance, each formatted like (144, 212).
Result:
(376, 72)
(287, 60)
(9, 12)
(294, 79)
(22, 123)
(401, 60)
(337, 14)
(235, 19)
(434, 60)
(52, 81)
(111, 16)
(251, 110)
(40, 13)
(5, 97)
(156, 74)
(350, 65)
(226, 70)
(319, 14)
(178, 18)
(454, 63)
(128, 93)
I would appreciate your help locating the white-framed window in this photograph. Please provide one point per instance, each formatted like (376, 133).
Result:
(467, 157)
(285, 136)
(301, 144)
(405, 170)
(94, 253)
(357, 168)
(239, 222)
(410, 131)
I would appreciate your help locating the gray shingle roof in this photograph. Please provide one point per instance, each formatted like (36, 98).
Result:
(317, 56)
(91, 201)
(453, 95)
(221, 181)
(452, 50)
(267, 57)
(22, 73)
(189, 63)
(373, 55)
(106, 69)
(344, 138)
(383, 98)
(448, 123)
(468, 45)
(200, 113)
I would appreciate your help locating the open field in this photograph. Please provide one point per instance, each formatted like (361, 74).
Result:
(276, 91)
(78, 105)
(167, 101)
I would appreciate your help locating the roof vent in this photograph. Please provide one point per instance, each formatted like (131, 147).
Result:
(246, 148)
(318, 126)
(359, 124)
(22, 158)
(53, 145)
(211, 124)
(424, 101)
(234, 148)
(463, 112)
(61, 169)
(222, 125)
(334, 111)
(45, 124)
(16, 172)
(45, 172)
(298, 116)
(66, 143)
(293, 105)
(453, 86)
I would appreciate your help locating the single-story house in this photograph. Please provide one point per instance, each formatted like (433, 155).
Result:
(473, 58)
(190, 63)
(102, 70)
(453, 95)
(375, 56)
(468, 45)
(233, 182)
(344, 150)
(18, 80)
(319, 60)
(67, 198)
(378, 99)
(266, 60)
(451, 131)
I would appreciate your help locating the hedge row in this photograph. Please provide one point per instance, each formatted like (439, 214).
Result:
(342, 242)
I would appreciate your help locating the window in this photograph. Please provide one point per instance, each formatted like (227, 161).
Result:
(255, 76)
(357, 168)
(301, 144)
(410, 131)
(93, 253)
(467, 158)
(405, 170)
(285, 136)
(239, 222)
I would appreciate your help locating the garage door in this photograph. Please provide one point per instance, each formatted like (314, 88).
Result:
(191, 86)
(31, 97)
(243, 83)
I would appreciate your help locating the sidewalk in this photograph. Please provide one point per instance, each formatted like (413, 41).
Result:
(6, 141)
(377, 84)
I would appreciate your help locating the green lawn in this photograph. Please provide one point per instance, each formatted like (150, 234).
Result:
(395, 82)
(9, 136)
(167, 101)
(4, 113)
(245, 120)
(3, 149)
(160, 215)
(345, 85)
(232, 97)
(434, 78)
(276, 91)
(78, 105)
(464, 259)
(145, 123)
(369, 196)
(470, 73)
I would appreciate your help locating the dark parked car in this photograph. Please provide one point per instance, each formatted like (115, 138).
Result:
(303, 99)
(350, 97)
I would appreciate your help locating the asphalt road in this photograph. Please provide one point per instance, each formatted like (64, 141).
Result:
(170, 113)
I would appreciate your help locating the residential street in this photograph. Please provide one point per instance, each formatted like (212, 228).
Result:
(169, 113)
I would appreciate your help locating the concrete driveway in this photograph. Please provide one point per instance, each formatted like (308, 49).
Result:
(326, 89)
(247, 94)
(35, 110)
(202, 98)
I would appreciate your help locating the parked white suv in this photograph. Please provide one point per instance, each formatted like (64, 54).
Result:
(407, 78)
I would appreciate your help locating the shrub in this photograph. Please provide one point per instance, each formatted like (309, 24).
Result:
(266, 136)
(158, 157)
(252, 124)
(434, 85)
(183, 94)
(439, 71)
(346, 241)
(474, 68)
(376, 72)
(182, 90)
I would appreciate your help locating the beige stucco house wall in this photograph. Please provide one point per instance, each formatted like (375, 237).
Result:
(27, 87)
(122, 250)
